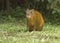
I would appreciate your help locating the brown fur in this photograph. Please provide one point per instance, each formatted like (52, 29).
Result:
(35, 20)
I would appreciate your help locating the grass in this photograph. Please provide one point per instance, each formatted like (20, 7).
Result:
(15, 31)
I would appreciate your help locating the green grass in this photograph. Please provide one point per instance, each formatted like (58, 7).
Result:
(15, 31)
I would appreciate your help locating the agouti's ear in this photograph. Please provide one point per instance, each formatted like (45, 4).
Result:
(32, 9)
(27, 10)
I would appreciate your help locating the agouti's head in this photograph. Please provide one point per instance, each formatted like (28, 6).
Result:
(29, 13)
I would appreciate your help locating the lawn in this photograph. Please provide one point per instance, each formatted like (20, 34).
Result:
(15, 31)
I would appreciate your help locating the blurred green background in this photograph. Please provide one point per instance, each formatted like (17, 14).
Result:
(13, 28)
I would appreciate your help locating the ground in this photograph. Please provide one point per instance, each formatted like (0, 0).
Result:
(15, 31)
